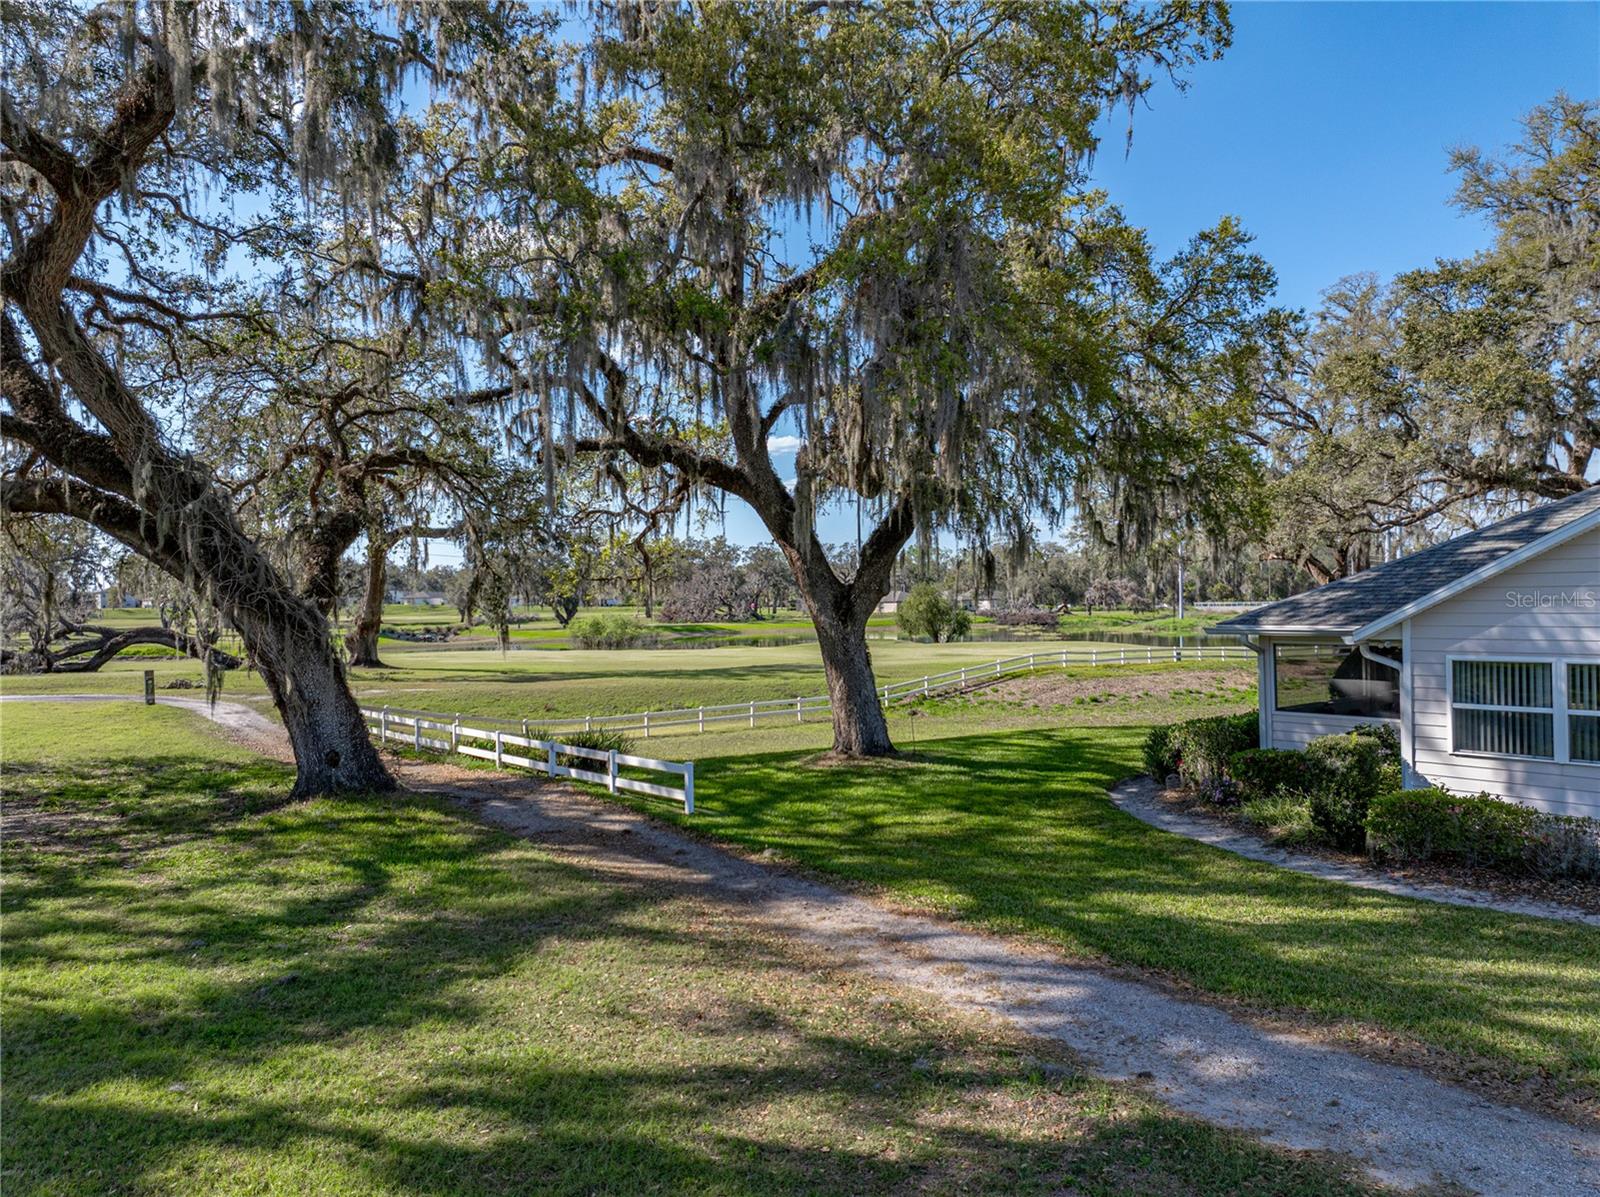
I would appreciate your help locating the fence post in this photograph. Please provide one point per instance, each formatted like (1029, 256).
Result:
(550, 758)
(688, 788)
(611, 770)
(702, 719)
(383, 724)
(524, 729)
(1030, 662)
(798, 718)
(1094, 656)
(1149, 656)
(586, 723)
(455, 734)
(647, 725)
(1124, 656)
(498, 751)
(752, 712)
(416, 733)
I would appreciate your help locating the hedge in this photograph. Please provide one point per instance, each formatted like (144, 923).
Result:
(1345, 773)
(1414, 825)
(1267, 772)
(1198, 749)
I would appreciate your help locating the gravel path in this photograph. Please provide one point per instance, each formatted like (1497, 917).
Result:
(1137, 796)
(242, 723)
(1403, 1127)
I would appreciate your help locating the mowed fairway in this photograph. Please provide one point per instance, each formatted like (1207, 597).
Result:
(209, 992)
(554, 683)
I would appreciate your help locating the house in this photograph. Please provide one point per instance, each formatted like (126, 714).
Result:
(890, 603)
(1482, 651)
(419, 598)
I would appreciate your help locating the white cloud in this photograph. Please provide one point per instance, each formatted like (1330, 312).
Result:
(784, 444)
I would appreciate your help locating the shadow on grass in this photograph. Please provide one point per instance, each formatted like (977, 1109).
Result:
(1015, 832)
(378, 996)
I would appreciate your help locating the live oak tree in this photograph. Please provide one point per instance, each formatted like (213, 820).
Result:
(1403, 410)
(870, 228)
(1504, 347)
(117, 124)
(344, 422)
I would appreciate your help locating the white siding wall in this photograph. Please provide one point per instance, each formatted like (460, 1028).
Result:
(1296, 729)
(1485, 622)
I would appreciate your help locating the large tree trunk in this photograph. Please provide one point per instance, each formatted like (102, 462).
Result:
(130, 484)
(362, 642)
(839, 610)
(859, 725)
(333, 749)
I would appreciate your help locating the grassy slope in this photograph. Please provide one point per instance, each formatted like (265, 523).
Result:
(1015, 832)
(354, 998)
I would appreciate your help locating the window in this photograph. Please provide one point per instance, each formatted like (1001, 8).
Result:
(1505, 708)
(1583, 712)
(1334, 679)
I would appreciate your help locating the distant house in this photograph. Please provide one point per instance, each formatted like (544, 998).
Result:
(890, 603)
(1483, 651)
(419, 598)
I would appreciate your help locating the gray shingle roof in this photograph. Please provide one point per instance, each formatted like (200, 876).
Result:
(1350, 603)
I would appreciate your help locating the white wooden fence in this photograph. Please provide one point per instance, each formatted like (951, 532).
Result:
(425, 730)
(697, 719)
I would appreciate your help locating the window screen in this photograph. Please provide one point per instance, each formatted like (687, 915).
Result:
(1333, 679)
(1503, 707)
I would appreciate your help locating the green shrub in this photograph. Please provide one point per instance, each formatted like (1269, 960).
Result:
(1563, 846)
(1387, 736)
(1344, 774)
(1160, 754)
(1203, 746)
(1484, 831)
(1267, 772)
(600, 739)
(927, 612)
(607, 630)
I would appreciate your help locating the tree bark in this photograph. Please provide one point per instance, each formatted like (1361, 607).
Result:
(362, 642)
(333, 749)
(859, 725)
(105, 643)
(839, 610)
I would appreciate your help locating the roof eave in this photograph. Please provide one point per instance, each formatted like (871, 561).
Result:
(1387, 622)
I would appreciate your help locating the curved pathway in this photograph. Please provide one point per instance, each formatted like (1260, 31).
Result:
(1403, 1127)
(243, 722)
(1137, 796)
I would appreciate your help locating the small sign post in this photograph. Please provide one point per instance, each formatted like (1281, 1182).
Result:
(149, 687)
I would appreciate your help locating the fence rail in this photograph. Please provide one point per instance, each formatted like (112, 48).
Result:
(697, 719)
(427, 730)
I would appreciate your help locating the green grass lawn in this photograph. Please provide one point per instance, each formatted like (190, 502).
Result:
(207, 993)
(1014, 832)
(539, 685)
